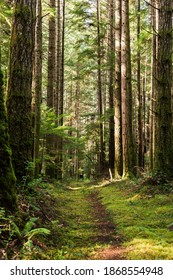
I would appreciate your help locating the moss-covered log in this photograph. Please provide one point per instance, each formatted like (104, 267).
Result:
(7, 177)
(19, 85)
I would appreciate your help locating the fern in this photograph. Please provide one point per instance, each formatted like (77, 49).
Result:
(29, 225)
(37, 231)
(15, 230)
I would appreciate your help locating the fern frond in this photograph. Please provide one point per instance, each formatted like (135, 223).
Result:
(29, 225)
(37, 231)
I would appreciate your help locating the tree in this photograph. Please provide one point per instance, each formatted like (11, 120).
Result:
(163, 157)
(126, 94)
(37, 85)
(60, 81)
(19, 85)
(118, 113)
(139, 91)
(7, 176)
(50, 168)
(111, 63)
(99, 90)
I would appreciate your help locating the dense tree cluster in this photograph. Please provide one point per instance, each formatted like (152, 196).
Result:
(88, 89)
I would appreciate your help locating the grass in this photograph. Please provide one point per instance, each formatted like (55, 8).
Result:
(73, 231)
(141, 219)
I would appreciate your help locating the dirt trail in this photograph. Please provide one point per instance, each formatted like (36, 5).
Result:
(106, 231)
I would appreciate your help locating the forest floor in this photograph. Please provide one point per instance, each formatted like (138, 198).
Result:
(85, 220)
(103, 220)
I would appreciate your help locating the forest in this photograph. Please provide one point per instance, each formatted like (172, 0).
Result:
(86, 129)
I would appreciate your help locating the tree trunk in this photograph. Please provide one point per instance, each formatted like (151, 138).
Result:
(118, 113)
(50, 168)
(127, 131)
(164, 159)
(99, 92)
(154, 14)
(111, 61)
(19, 85)
(38, 86)
(140, 121)
(60, 81)
(7, 177)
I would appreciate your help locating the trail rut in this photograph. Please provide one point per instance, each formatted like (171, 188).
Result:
(106, 229)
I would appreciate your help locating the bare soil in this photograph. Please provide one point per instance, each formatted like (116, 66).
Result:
(107, 233)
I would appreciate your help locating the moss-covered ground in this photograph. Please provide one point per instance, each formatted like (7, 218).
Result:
(100, 220)
(142, 219)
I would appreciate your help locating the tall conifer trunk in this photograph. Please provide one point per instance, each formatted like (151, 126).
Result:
(126, 94)
(38, 85)
(50, 168)
(118, 112)
(164, 156)
(19, 85)
(99, 92)
(7, 177)
(111, 60)
(139, 90)
(154, 14)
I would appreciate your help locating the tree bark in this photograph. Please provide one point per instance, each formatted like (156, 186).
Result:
(111, 61)
(164, 159)
(38, 86)
(19, 85)
(118, 112)
(99, 92)
(50, 168)
(140, 101)
(7, 176)
(126, 95)
(154, 14)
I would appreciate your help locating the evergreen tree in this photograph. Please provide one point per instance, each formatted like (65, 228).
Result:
(7, 176)
(19, 85)
(163, 158)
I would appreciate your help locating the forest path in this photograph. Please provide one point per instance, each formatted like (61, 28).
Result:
(109, 220)
(106, 231)
(81, 226)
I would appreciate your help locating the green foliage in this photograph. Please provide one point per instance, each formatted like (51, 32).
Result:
(11, 232)
(49, 123)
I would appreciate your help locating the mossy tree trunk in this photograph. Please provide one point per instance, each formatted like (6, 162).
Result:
(7, 177)
(19, 85)
(164, 158)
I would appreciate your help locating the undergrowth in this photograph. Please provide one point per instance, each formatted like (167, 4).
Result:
(23, 234)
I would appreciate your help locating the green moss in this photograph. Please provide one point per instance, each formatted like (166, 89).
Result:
(142, 219)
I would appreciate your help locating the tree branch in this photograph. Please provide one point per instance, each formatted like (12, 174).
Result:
(151, 5)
